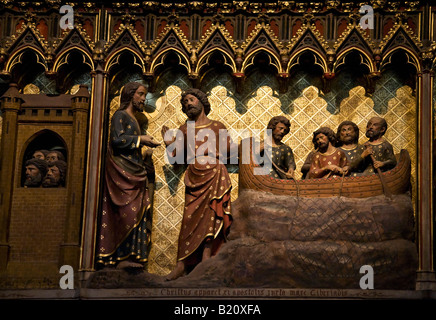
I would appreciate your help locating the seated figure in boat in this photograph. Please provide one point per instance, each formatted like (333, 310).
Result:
(347, 136)
(307, 163)
(378, 153)
(328, 161)
(283, 162)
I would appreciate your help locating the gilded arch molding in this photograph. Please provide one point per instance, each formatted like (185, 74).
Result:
(413, 59)
(366, 59)
(63, 56)
(283, 55)
(16, 58)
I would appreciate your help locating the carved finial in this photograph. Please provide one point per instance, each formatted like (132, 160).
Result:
(332, 4)
(355, 17)
(30, 17)
(400, 17)
(308, 18)
(263, 18)
(173, 19)
(127, 19)
(218, 19)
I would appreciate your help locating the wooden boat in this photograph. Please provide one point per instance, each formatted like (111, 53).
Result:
(396, 181)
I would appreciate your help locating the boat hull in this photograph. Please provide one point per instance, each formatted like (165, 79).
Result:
(396, 180)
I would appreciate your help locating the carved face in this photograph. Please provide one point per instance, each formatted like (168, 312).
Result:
(33, 176)
(347, 134)
(322, 141)
(53, 177)
(375, 128)
(193, 107)
(38, 155)
(279, 131)
(139, 98)
(52, 157)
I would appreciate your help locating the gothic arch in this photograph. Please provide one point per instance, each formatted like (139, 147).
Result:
(16, 56)
(366, 59)
(113, 59)
(295, 59)
(218, 38)
(25, 66)
(412, 57)
(44, 139)
(73, 67)
(204, 60)
(160, 59)
(63, 55)
(249, 60)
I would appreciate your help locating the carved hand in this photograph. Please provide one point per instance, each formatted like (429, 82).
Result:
(163, 131)
(148, 141)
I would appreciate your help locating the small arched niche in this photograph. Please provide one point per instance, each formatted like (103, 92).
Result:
(42, 143)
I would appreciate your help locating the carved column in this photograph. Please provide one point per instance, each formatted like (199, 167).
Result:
(70, 248)
(94, 165)
(10, 106)
(425, 275)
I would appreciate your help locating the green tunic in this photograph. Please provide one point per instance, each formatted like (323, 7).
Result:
(356, 162)
(382, 151)
(283, 157)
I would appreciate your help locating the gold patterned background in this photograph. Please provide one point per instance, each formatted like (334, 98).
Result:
(306, 107)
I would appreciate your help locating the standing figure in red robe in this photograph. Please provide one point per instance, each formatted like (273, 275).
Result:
(206, 218)
(328, 161)
(125, 223)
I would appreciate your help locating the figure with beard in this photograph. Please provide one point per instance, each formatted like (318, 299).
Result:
(125, 224)
(56, 173)
(282, 155)
(348, 137)
(377, 147)
(36, 170)
(207, 216)
(328, 161)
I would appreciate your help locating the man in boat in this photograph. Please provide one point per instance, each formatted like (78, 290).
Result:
(283, 163)
(125, 228)
(347, 136)
(206, 218)
(378, 152)
(328, 161)
(307, 163)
